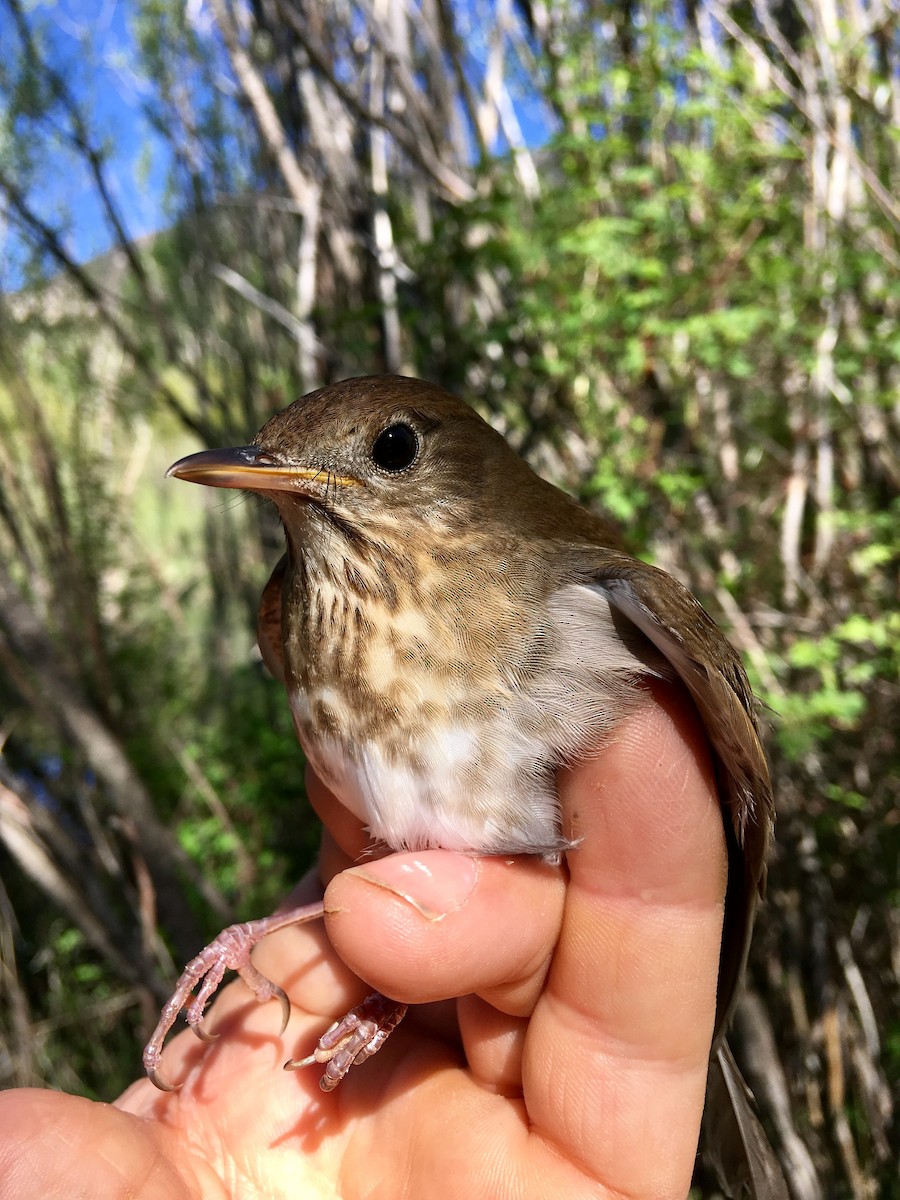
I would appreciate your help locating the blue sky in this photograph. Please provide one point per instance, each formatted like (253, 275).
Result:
(92, 46)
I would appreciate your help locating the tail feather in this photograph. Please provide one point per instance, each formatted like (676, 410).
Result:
(735, 1144)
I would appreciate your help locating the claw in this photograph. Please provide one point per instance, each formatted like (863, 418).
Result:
(353, 1039)
(230, 951)
(163, 1084)
(294, 1064)
(281, 997)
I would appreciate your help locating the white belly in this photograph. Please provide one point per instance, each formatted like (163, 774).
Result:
(493, 793)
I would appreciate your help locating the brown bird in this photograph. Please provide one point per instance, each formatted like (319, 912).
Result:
(451, 629)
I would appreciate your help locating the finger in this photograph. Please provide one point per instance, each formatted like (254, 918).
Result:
(494, 1043)
(436, 924)
(348, 835)
(618, 1046)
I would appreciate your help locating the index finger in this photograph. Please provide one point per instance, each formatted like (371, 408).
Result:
(619, 1043)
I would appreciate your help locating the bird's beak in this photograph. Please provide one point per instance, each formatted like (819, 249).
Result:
(256, 470)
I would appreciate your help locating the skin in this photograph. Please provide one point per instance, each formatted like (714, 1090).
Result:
(580, 1076)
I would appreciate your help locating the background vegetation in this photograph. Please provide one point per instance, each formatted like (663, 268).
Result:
(658, 244)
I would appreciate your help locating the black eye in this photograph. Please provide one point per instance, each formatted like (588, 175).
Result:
(395, 448)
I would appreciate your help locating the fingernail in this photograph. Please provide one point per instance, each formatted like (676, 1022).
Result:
(434, 883)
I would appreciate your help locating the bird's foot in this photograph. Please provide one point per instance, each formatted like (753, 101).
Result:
(359, 1035)
(230, 951)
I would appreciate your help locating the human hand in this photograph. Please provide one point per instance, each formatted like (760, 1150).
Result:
(574, 1065)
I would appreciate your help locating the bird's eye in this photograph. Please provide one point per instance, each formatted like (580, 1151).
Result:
(395, 448)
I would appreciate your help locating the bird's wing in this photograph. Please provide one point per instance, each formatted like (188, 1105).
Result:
(268, 621)
(705, 661)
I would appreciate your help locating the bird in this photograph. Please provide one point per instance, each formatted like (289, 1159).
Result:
(451, 629)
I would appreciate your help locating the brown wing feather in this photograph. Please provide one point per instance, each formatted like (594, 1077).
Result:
(669, 616)
(735, 1143)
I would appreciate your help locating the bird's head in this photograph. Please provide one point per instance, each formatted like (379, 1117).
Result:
(369, 450)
